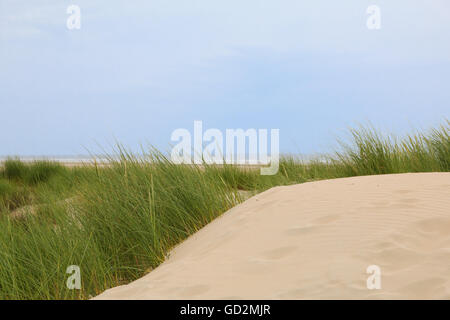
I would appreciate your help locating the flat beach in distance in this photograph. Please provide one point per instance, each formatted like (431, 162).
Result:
(72, 162)
(315, 241)
(67, 161)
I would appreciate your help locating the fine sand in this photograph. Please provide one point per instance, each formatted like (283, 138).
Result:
(315, 241)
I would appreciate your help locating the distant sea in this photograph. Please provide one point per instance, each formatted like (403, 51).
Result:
(63, 159)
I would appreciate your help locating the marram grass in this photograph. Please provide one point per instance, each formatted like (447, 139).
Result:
(120, 221)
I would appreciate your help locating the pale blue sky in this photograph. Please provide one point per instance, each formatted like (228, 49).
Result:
(137, 70)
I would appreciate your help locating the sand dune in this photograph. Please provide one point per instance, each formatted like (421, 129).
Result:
(315, 241)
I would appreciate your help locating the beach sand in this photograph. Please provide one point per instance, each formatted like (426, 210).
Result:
(315, 241)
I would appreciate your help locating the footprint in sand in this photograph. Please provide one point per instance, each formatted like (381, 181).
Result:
(309, 227)
(195, 290)
(327, 219)
(300, 230)
(279, 253)
(408, 200)
(438, 226)
(402, 191)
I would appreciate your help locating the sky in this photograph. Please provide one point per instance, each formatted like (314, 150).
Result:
(137, 70)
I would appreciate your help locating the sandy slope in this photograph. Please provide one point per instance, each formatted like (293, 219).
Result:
(316, 240)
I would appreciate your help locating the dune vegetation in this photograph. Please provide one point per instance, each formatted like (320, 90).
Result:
(118, 222)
